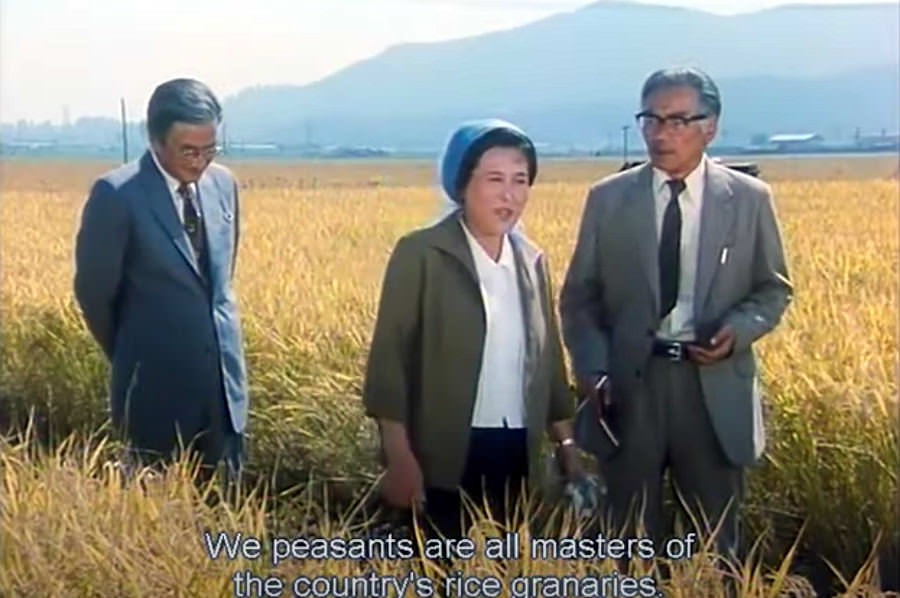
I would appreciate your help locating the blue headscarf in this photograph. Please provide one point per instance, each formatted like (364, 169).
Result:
(462, 139)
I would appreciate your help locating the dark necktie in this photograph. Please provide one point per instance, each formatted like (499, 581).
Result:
(192, 222)
(670, 250)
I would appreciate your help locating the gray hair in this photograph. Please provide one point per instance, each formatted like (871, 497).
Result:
(710, 101)
(181, 100)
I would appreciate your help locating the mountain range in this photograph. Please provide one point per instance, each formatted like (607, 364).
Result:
(573, 79)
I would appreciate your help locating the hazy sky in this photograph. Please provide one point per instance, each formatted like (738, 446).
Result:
(81, 56)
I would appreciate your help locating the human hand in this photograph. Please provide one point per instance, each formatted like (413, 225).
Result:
(569, 463)
(402, 485)
(720, 347)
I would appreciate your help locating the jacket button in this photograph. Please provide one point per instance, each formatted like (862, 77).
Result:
(637, 373)
(650, 332)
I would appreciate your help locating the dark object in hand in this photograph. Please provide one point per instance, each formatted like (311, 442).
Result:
(705, 332)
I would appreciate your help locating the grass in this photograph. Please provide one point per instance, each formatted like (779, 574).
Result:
(824, 502)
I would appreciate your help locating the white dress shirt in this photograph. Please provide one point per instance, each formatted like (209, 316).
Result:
(173, 184)
(500, 398)
(679, 323)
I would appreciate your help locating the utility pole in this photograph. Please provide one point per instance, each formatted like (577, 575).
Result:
(124, 133)
(224, 138)
(625, 144)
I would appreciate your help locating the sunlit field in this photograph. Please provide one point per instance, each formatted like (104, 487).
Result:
(822, 505)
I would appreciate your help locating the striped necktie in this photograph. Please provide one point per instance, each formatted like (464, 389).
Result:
(192, 223)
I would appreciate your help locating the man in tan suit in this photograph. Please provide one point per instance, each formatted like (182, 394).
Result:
(677, 270)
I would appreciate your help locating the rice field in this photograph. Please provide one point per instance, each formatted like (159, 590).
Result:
(822, 506)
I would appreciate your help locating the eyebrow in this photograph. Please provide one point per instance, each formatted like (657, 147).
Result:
(501, 173)
(189, 145)
(678, 113)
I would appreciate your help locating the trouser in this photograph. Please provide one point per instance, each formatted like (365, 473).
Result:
(213, 443)
(496, 470)
(671, 429)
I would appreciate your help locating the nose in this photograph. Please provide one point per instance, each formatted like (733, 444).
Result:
(659, 132)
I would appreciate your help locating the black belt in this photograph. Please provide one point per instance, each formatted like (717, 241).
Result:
(671, 350)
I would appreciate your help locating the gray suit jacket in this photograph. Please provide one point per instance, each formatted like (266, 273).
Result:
(174, 345)
(609, 302)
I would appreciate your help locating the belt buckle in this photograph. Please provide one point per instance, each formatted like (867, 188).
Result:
(675, 352)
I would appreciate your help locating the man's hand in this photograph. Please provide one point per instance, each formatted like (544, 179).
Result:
(721, 345)
(402, 485)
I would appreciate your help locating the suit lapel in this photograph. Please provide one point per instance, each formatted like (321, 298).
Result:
(641, 207)
(717, 221)
(164, 210)
(214, 224)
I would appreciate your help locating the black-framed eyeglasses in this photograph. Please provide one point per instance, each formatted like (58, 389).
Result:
(678, 122)
(193, 153)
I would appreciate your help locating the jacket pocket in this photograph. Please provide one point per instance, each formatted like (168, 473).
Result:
(122, 394)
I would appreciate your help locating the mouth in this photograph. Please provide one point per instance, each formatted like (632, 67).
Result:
(504, 214)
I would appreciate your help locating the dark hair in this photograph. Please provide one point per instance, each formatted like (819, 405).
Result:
(710, 101)
(495, 138)
(181, 100)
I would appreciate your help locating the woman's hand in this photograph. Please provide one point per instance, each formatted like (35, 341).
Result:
(569, 463)
(566, 451)
(402, 485)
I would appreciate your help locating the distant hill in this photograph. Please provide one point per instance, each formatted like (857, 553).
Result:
(573, 78)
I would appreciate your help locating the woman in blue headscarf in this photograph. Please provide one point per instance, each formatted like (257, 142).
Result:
(465, 374)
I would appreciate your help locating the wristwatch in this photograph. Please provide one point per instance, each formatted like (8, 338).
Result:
(566, 442)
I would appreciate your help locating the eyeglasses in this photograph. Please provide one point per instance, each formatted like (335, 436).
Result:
(193, 153)
(648, 120)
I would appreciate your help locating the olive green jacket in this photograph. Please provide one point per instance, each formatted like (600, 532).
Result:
(426, 352)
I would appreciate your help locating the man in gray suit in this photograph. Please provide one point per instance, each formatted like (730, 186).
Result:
(155, 256)
(677, 270)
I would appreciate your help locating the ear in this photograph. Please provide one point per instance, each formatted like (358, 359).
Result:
(711, 128)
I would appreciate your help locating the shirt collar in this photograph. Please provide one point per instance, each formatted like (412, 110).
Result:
(171, 182)
(479, 254)
(693, 181)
